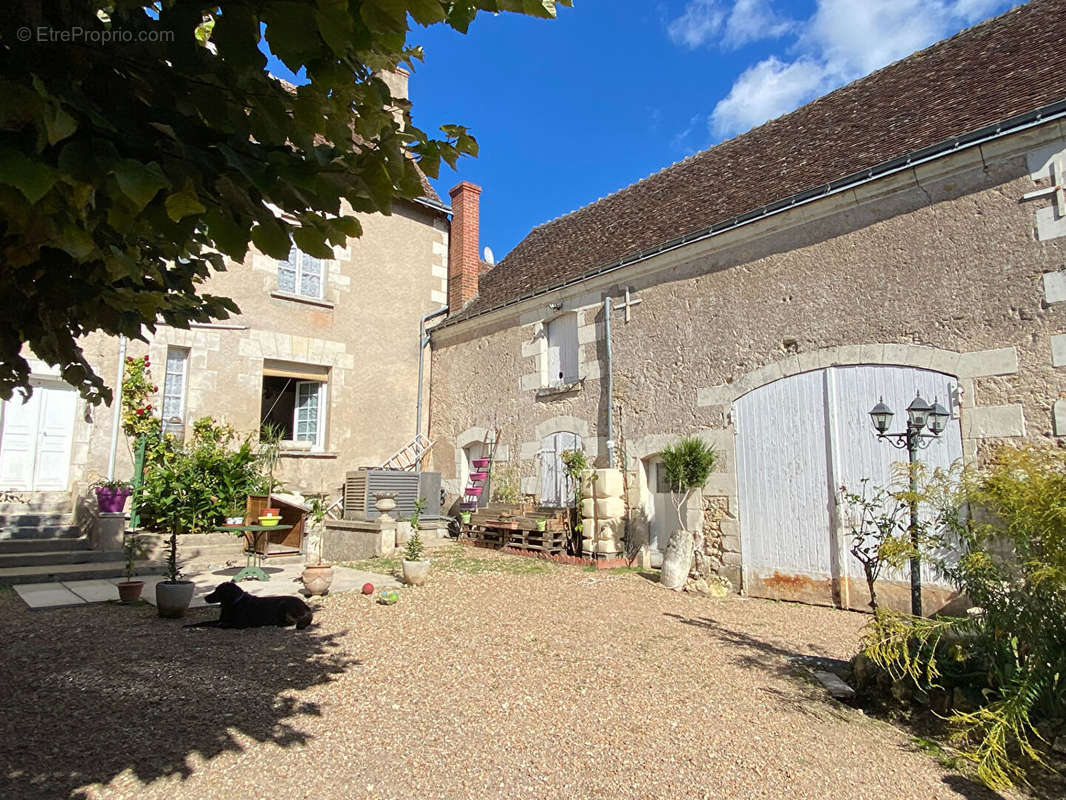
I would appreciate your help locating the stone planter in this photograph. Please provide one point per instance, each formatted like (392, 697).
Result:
(130, 591)
(317, 578)
(171, 599)
(415, 572)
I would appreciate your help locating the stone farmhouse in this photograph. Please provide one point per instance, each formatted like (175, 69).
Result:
(904, 233)
(328, 350)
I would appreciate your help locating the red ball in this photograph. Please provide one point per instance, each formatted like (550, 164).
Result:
(368, 588)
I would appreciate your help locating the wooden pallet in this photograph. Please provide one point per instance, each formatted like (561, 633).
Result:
(544, 541)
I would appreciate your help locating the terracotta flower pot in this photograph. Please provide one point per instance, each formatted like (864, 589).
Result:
(317, 578)
(130, 591)
(171, 599)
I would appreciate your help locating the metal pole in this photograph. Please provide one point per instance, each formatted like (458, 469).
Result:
(116, 417)
(423, 340)
(610, 383)
(916, 563)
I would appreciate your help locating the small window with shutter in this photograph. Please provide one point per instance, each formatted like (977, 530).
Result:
(562, 350)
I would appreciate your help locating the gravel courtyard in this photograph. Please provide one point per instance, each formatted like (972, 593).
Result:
(502, 678)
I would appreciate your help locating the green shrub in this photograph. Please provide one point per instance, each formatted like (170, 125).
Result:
(193, 485)
(688, 465)
(1006, 522)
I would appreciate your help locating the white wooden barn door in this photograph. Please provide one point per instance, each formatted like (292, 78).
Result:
(797, 440)
(555, 487)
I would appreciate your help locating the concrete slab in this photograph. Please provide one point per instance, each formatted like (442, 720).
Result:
(47, 595)
(284, 580)
(98, 591)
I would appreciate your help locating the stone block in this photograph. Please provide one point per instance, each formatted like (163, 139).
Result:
(609, 483)
(984, 422)
(1058, 416)
(107, 531)
(981, 363)
(353, 541)
(607, 546)
(731, 559)
(610, 508)
(1058, 350)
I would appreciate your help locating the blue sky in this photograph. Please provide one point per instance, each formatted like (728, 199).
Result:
(570, 110)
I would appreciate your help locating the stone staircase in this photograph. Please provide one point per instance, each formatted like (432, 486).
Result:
(40, 542)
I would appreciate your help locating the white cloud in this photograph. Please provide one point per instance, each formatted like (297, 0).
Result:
(843, 40)
(763, 90)
(708, 21)
(699, 23)
(752, 20)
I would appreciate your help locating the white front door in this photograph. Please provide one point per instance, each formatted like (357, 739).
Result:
(660, 508)
(35, 438)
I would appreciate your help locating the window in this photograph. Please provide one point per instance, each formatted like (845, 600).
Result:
(302, 274)
(562, 350)
(294, 401)
(174, 382)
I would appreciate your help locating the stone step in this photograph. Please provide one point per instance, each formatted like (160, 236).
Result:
(9, 576)
(35, 545)
(35, 519)
(37, 502)
(42, 533)
(57, 558)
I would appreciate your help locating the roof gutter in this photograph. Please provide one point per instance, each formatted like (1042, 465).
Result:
(434, 205)
(955, 144)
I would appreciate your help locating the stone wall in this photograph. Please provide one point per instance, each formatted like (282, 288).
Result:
(938, 267)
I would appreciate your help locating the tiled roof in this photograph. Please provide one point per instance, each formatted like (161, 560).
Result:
(999, 69)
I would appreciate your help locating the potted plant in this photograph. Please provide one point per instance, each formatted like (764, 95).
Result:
(318, 574)
(688, 465)
(234, 515)
(173, 595)
(270, 456)
(415, 568)
(111, 495)
(129, 590)
(465, 517)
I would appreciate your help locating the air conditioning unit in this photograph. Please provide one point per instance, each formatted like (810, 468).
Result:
(361, 485)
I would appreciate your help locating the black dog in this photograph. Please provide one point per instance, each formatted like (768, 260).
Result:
(243, 610)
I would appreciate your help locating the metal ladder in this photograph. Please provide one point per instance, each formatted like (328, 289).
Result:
(410, 455)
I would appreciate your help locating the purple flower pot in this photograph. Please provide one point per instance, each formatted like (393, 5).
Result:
(111, 501)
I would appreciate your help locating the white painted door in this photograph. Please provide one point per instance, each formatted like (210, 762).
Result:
(556, 488)
(660, 508)
(858, 453)
(797, 441)
(783, 484)
(35, 439)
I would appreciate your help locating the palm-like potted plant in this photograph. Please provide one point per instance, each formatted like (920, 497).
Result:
(688, 464)
(415, 568)
(172, 596)
(111, 495)
(129, 590)
(270, 456)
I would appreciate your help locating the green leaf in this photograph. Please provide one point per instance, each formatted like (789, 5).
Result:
(30, 177)
(139, 182)
(310, 241)
(58, 125)
(272, 238)
(184, 203)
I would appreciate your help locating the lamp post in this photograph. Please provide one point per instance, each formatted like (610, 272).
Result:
(919, 416)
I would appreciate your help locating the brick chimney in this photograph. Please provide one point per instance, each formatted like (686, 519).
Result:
(463, 261)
